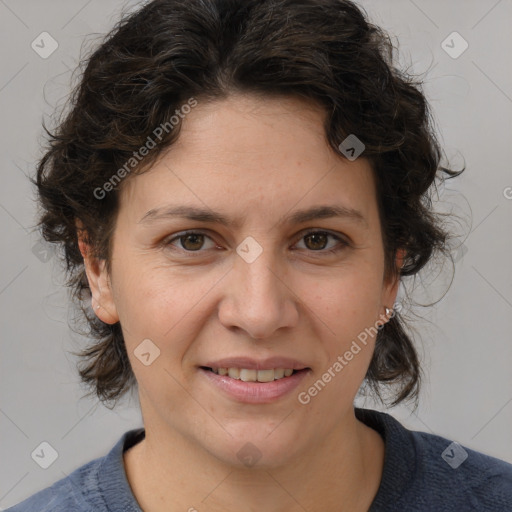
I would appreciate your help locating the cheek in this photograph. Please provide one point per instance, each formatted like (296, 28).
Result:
(160, 303)
(348, 309)
(347, 304)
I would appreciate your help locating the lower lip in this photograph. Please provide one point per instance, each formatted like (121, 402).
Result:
(255, 392)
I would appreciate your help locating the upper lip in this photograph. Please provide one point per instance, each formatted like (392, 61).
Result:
(255, 364)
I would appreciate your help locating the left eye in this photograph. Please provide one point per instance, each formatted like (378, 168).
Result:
(193, 241)
(320, 238)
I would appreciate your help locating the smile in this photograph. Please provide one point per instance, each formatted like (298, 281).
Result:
(254, 386)
(251, 375)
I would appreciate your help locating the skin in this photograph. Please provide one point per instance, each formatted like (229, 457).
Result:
(255, 161)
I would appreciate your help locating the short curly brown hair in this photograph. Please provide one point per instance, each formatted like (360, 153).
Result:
(168, 51)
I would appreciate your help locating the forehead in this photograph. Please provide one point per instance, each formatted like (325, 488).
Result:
(261, 155)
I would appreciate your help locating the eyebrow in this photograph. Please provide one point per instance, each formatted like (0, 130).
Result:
(297, 217)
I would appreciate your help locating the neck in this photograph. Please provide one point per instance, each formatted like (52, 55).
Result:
(340, 472)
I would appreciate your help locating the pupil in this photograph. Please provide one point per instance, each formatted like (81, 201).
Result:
(315, 236)
(195, 237)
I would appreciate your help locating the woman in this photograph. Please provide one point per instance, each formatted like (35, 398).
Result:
(238, 188)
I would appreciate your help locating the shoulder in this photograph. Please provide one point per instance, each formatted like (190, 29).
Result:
(98, 486)
(462, 475)
(428, 472)
(65, 495)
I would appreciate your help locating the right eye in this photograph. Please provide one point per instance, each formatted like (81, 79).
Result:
(190, 241)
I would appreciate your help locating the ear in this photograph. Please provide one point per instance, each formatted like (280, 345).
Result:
(390, 289)
(99, 281)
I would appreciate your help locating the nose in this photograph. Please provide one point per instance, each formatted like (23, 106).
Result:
(258, 299)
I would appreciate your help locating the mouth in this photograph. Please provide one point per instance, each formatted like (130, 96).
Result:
(252, 375)
(248, 385)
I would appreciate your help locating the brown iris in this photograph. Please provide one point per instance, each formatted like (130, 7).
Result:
(196, 239)
(318, 239)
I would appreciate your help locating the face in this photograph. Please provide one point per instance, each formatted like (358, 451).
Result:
(256, 278)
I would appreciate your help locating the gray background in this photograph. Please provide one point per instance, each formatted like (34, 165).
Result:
(464, 340)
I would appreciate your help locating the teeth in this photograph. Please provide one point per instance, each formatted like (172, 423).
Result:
(234, 373)
(278, 373)
(263, 375)
(250, 375)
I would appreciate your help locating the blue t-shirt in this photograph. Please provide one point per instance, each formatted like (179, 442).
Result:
(422, 473)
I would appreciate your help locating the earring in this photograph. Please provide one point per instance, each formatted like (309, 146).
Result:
(388, 311)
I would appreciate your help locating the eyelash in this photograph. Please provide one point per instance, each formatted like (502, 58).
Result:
(342, 244)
